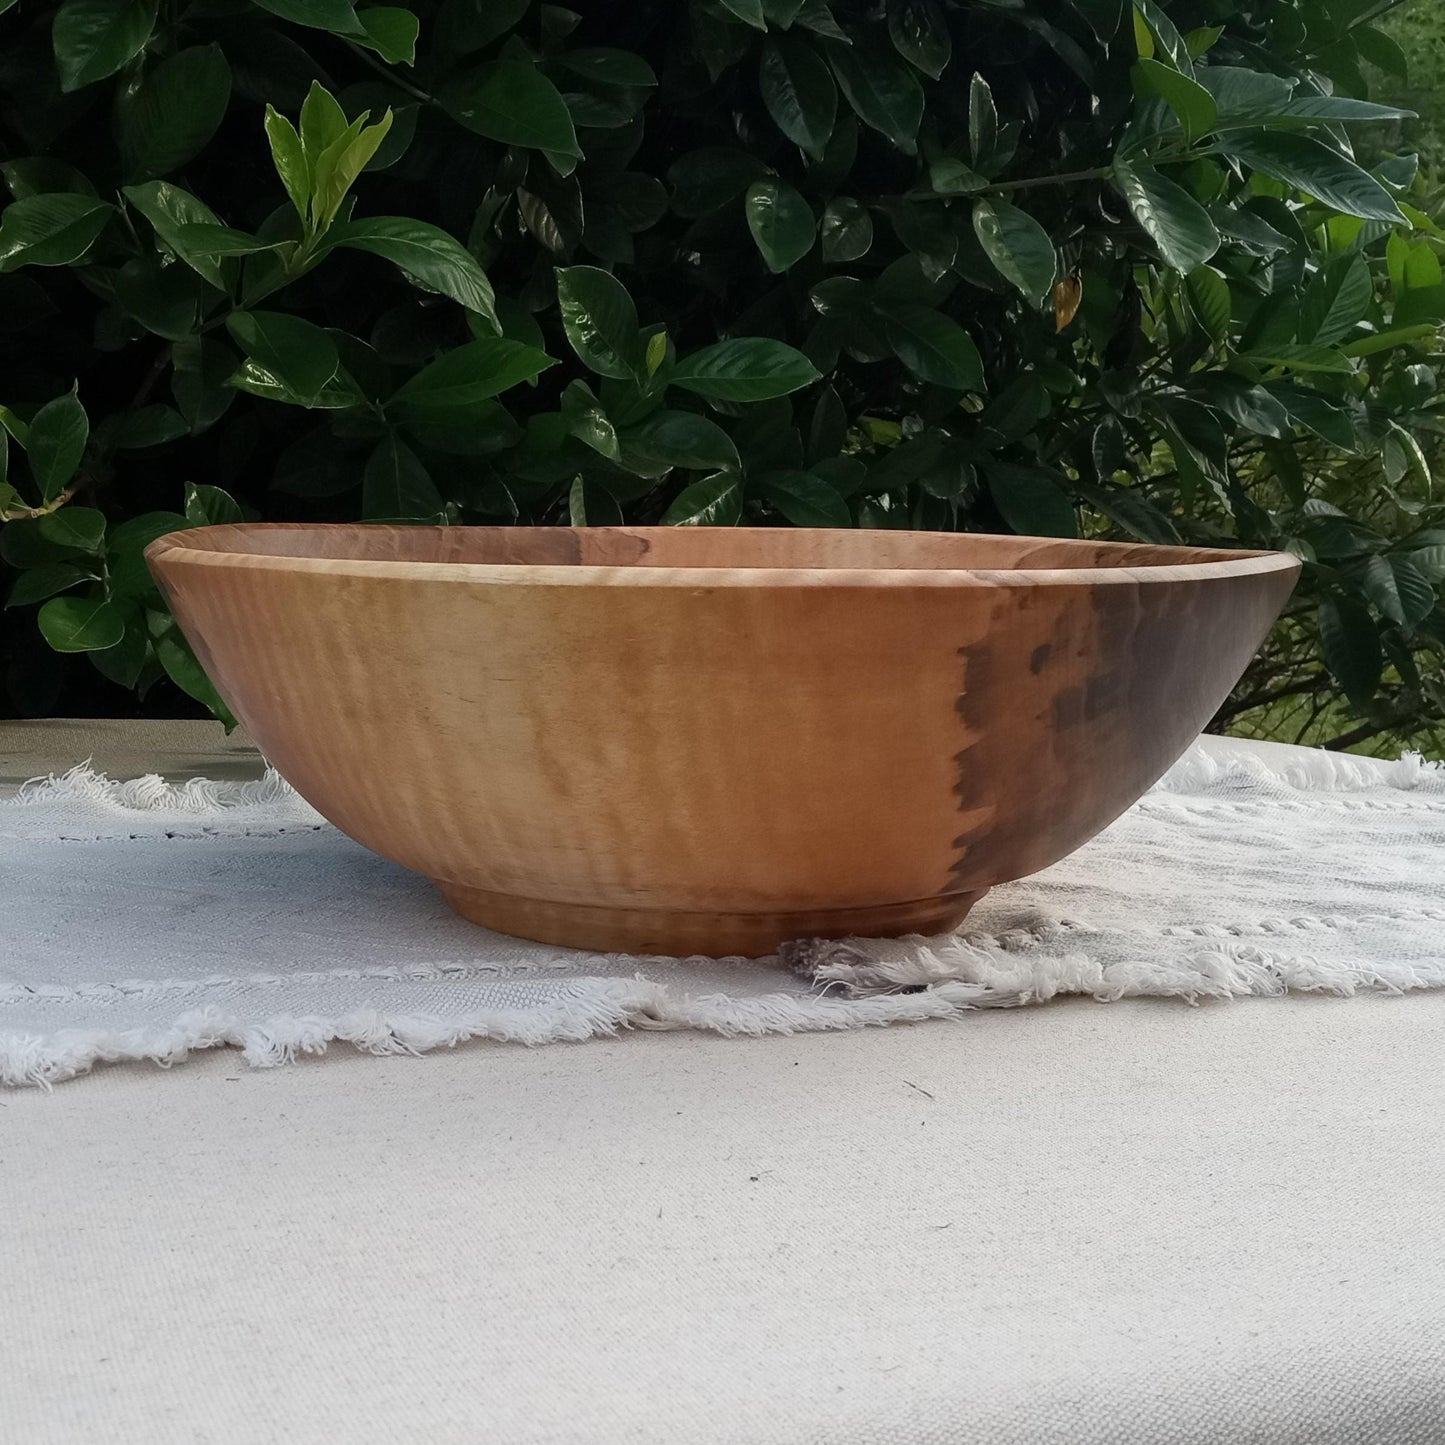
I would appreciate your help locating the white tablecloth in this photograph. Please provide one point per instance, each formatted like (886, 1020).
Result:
(1134, 1223)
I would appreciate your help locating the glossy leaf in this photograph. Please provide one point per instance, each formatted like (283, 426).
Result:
(513, 102)
(1210, 301)
(1177, 224)
(919, 30)
(472, 373)
(1031, 501)
(746, 368)
(94, 38)
(715, 501)
(169, 208)
(781, 222)
(395, 484)
(804, 499)
(847, 230)
(600, 321)
(883, 91)
(1351, 648)
(81, 624)
(390, 31)
(1309, 166)
(429, 257)
(56, 443)
(678, 439)
(933, 347)
(798, 90)
(301, 356)
(167, 116)
(50, 230)
(1018, 246)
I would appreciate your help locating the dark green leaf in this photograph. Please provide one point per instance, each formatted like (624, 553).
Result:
(745, 368)
(805, 500)
(920, 35)
(781, 222)
(124, 662)
(748, 11)
(81, 624)
(586, 420)
(147, 426)
(601, 322)
(513, 102)
(201, 371)
(703, 181)
(50, 230)
(391, 32)
(169, 209)
(798, 90)
(1209, 300)
(470, 374)
(1336, 301)
(94, 38)
(982, 123)
(933, 347)
(884, 92)
(1031, 501)
(209, 506)
(1308, 166)
(55, 536)
(179, 662)
(678, 439)
(715, 501)
(1174, 220)
(206, 240)
(395, 485)
(166, 116)
(302, 357)
(1191, 103)
(1351, 648)
(847, 230)
(429, 256)
(609, 67)
(45, 581)
(1302, 358)
(589, 504)
(1018, 246)
(56, 443)
(337, 16)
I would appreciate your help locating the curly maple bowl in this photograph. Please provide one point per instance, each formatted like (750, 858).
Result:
(687, 740)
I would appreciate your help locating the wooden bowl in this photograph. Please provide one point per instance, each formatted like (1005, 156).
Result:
(708, 741)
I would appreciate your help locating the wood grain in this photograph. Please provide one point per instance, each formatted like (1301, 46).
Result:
(689, 740)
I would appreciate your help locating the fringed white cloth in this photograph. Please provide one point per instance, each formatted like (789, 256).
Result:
(145, 920)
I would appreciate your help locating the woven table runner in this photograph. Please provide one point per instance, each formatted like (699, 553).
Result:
(144, 921)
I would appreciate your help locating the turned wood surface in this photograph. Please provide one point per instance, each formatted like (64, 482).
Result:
(687, 740)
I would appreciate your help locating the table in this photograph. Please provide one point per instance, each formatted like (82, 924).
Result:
(1081, 1223)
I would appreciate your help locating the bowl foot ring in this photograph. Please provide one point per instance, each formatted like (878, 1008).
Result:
(676, 934)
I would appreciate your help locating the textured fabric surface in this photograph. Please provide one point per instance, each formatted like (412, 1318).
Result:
(144, 920)
(1143, 1224)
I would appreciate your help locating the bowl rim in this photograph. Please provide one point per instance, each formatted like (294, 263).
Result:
(175, 547)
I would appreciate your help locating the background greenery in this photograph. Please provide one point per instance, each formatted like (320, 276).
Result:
(1055, 266)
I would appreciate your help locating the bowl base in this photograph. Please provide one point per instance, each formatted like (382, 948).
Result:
(682, 935)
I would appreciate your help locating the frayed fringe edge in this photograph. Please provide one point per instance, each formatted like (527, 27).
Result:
(152, 793)
(1202, 769)
(1205, 769)
(942, 983)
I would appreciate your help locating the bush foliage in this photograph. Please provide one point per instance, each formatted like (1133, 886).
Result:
(1054, 266)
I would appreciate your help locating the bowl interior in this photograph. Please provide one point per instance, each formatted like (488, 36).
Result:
(687, 547)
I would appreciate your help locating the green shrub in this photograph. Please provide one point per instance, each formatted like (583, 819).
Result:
(1043, 265)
